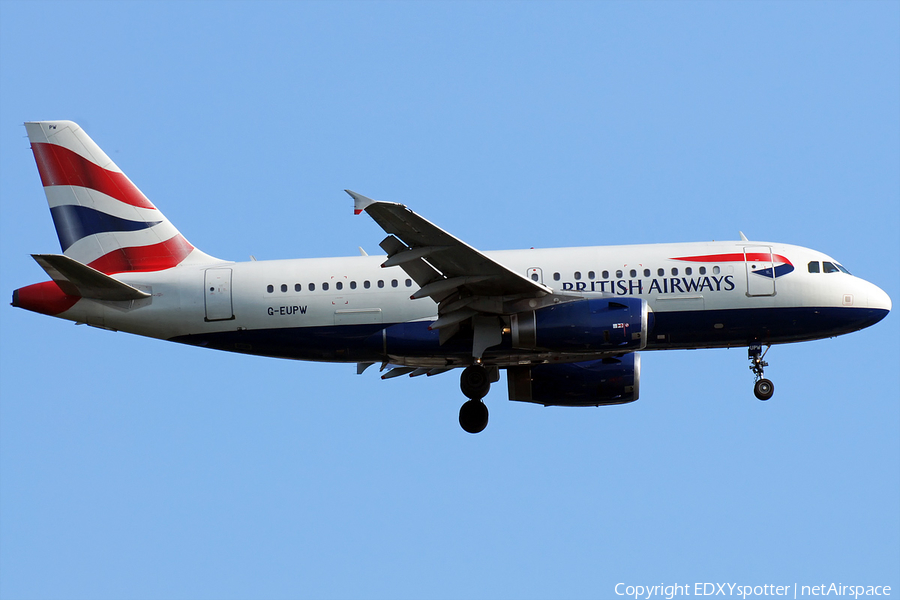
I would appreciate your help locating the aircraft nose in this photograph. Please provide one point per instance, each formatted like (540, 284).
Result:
(879, 300)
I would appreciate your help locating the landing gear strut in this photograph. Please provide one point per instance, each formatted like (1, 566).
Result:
(763, 388)
(475, 383)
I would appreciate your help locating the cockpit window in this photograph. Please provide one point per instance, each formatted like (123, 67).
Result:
(814, 266)
(828, 267)
(841, 267)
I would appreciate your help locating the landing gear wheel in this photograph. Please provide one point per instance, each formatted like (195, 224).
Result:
(763, 389)
(475, 383)
(473, 416)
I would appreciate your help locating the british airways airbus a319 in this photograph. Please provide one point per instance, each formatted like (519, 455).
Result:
(566, 324)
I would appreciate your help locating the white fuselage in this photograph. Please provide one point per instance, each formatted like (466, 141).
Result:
(702, 302)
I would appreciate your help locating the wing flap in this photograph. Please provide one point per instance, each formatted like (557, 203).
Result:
(405, 256)
(420, 271)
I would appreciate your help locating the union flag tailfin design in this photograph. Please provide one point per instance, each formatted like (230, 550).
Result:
(102, 219)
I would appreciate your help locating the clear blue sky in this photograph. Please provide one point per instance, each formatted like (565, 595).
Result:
(134, 468)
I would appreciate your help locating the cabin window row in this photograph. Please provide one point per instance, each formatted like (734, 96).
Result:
(338, 285)
(620, 273)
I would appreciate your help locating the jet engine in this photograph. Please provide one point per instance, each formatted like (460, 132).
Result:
(584, 326)
(589, 383)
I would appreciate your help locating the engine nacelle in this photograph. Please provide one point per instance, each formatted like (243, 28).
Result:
(584, 326)
(589, 383)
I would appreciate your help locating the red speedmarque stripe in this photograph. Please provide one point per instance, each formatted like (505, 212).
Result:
(157, 257)
(61, 166)
(736, 257)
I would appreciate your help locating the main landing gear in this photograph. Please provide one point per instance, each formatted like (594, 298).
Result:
(763, 388)
(475, 383)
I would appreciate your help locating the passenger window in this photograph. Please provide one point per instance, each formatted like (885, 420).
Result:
(352, 285)
(828, 267)
(339, 285)
(325, 287)
(633, 273)
(703, 270)
(409, 283)
(298, 287)
(605, 274)
(646, 272)
(591, 274)
(715, 270)
(688, 271)
(619, 274)
(283, 287)
(366, 284)
(814, 266)
(393, 283)
(534, 276)
(270, 288)
(661, 272)
(556, 277)
(674, 271)
(312, 287)
(577, 275)
(381, 283)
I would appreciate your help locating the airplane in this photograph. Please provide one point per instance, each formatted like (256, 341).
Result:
(567, 324)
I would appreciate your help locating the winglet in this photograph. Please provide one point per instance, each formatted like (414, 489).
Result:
(360, 202)
(743, 237)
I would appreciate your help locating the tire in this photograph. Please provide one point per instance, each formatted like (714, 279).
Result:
(474, 382)
(763, 389)
(473, 416)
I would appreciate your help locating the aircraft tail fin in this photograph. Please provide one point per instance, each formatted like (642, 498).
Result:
(102, 219)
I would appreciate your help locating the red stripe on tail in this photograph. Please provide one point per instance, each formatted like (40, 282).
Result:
(157, 257)
(61, 166)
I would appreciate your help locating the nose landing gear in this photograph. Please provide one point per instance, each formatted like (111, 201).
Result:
(763, 388)
(475, 383)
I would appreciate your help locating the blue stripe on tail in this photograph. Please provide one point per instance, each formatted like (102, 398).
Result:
(75, 222)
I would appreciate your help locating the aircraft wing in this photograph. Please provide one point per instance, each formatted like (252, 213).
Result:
(463, 281)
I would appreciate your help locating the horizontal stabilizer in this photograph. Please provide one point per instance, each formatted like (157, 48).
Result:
(77, 279)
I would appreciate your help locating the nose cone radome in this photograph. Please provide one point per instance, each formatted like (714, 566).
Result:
(879, 303)
(879, 300)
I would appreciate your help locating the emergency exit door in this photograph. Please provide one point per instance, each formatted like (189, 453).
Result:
(218, 295)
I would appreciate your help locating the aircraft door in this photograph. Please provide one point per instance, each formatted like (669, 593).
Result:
(218, 294)
(534, 274)
(760, 268)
